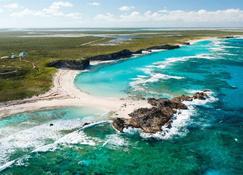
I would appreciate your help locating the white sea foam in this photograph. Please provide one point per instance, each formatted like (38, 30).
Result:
(18, 162)
(141, 80)
(157, 50)
(34, 138)
(115, 141)
(146, 52)
(220, 46)
(94, 63)
(96, 123)
(77, 137)
(155, 77)
(229, 54)
(147, 70)
(6, 165)
(238, 36)
(210, 98)
(131, 130)
(218, 49)
(170, 61)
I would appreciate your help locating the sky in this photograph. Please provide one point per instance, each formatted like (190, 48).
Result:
(120, 13)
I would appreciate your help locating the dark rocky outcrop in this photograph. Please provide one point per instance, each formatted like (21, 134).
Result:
(161, 47)
(83, 64)
(151, 120)
(166, 47)
(200, 95)
(127, 53)
(186, 43)
(70, 64)
(228, 37)
(113, 56)
(161, 103)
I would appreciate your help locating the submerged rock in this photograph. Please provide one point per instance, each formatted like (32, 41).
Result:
(151, 120)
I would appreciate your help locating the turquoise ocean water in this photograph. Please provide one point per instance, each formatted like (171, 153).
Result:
(207, 139)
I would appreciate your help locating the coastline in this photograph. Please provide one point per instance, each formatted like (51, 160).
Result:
(194, 41)
(65, 94)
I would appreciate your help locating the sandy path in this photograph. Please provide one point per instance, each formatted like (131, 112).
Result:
(65, 94)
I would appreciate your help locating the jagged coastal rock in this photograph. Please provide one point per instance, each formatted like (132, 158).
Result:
(151, 120)
(85, 63)
(127, 53)
(70, 64)
(161, 47)
(228, 37)
(187, 43)
(113, 56)
(166, 47)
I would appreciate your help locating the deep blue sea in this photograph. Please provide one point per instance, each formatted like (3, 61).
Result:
(207, 139)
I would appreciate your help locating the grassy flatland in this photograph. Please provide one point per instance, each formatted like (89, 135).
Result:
(19, 79)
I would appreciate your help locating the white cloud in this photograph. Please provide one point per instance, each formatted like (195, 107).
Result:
(54, 10)
(94, 3)
(126, 8)
(75, 15)
(176, 18)
(62, 12)
(105, 17)
(11, 6)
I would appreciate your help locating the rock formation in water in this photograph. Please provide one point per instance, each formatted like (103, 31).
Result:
(151, 120)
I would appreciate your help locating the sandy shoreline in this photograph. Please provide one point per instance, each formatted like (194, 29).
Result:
(201, 39)
(65, 94)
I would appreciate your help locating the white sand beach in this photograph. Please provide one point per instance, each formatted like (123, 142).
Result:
(194, 41)
(65, 94)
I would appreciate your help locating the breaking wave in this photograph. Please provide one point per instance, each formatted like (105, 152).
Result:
(151, 76)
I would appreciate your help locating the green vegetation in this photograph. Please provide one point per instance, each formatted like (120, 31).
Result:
(20, 79)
